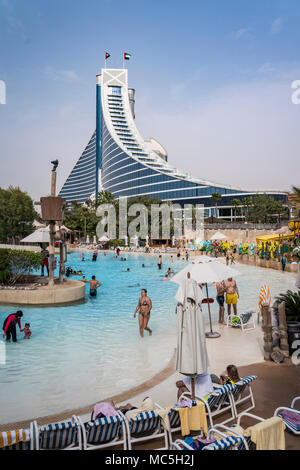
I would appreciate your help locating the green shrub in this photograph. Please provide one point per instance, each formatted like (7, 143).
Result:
(4, 266)
(292, 304)
(16, 263)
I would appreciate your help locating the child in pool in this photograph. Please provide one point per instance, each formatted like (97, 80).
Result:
(26, 331)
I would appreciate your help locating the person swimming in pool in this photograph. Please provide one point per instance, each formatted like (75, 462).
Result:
(144, 308)
(94, 284)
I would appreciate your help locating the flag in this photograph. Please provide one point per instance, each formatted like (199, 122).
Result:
(127, 56)
(107, 55)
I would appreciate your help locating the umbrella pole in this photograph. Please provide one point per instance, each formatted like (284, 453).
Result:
(193, 387)
(211, 334)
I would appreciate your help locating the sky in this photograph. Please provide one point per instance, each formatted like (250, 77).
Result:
(213, 84)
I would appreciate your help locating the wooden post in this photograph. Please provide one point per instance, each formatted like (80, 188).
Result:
(267, 329)
(51, 233)
(284, 345)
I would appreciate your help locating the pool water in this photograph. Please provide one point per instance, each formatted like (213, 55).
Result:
(81, 353)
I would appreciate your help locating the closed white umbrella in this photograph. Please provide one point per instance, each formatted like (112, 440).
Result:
(191, 352)
(204, 273)
(87, 239)
(218, 236)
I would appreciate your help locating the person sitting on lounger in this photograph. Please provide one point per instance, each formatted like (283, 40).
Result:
(108, 408)
(231, 378)
(203, 385)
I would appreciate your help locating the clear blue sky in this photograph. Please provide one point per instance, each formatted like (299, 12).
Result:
(212, 78)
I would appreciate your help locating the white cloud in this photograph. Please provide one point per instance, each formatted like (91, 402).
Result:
(276, 26)
(240, 33)
(266, 68)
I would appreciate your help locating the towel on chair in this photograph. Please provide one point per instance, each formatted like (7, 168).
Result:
(10, 438)
(148, 405)
(193, 419)
(268, 435)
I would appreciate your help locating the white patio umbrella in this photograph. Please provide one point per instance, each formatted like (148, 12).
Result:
(104, 238)
(191, 352)
(39, 236)
(87, 239)
(218, 236)
(205, 273)
(94, 240)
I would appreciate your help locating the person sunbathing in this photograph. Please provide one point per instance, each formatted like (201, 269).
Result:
(108, 408)
(231, 378)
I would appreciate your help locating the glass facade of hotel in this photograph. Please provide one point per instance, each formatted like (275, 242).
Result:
(126, 165)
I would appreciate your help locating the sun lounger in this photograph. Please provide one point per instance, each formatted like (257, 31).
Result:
(239, 396)
(290, 416)
(265, 444)
(59, 436)
(222, 442)
(20, 439)
(104, 432)
(218, 402)
(244, 320)
(145, 427)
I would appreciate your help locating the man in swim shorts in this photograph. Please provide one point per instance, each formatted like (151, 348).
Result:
(94, 284)
(144, 307)
(232, 294)
(220, 299)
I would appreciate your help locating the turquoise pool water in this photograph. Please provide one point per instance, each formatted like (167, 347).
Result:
(82, 353)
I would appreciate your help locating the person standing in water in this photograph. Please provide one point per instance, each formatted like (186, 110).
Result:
(9, 325)
(95, 255)
(159, 262)
(144, 308)
(94, 284)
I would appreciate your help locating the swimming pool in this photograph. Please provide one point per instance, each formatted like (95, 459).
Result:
(82, 353)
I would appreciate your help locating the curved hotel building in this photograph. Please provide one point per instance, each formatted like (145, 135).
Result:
(117, 159)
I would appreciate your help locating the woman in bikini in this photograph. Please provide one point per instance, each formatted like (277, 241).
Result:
(144, 307)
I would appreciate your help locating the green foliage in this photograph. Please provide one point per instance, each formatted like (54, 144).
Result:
(115, 243)
(4, 266)
(15, 263)
(84, 219)
(292, 304)
(297, 193)
(16, 214)
(265, 209)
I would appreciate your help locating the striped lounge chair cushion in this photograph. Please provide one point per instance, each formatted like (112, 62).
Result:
(289, 424)
(58, 436)
(144, 422)
(228, 443)
(174, 418)
(15, 440)
(246, 380)
(104, 429)
(219, 395)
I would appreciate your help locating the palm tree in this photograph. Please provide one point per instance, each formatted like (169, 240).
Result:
(235, 203)
(216, 197)
(247, 201)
